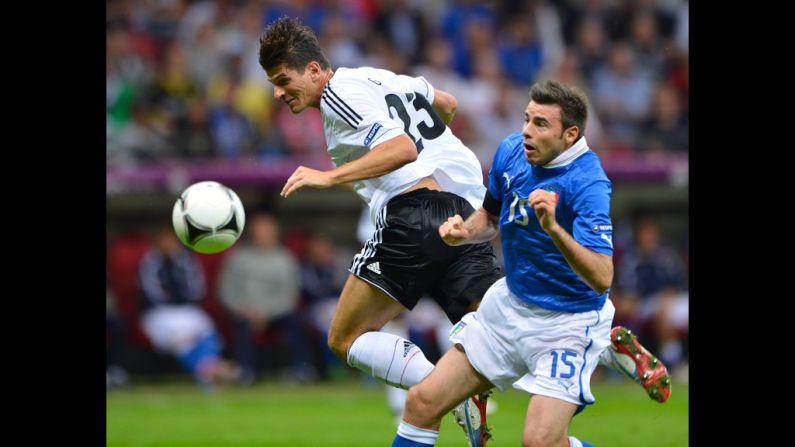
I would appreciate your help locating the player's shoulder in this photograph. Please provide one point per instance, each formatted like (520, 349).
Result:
(587, 171)
(345, 77)
(592, 164)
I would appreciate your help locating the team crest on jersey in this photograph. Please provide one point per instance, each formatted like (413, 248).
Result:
(371, 133)
(457, 328)
(554, 188)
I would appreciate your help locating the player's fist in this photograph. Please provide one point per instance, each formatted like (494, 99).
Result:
(543, 203)
(453, 231)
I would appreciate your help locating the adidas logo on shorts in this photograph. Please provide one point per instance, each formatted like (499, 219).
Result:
(407, 347)
(374, 267)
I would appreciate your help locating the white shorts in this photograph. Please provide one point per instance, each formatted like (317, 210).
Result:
(176, 329)
(557, 352)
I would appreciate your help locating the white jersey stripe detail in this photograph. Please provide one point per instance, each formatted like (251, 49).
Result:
(343, 102)
(339, 113)
(331, 101)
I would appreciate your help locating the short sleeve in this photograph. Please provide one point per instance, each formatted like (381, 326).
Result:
(358, 118)
(592, 226)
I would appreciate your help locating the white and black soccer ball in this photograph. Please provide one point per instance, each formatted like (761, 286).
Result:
(208, 217)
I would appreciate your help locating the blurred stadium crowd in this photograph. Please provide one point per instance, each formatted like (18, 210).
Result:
(183, 84)
(183, 79)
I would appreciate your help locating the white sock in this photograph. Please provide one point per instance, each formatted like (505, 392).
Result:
(393, 359)
(619, 362)
(416, 434)
(396, 398)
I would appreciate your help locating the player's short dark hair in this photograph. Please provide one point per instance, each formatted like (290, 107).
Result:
(287, 41)
(573, 102)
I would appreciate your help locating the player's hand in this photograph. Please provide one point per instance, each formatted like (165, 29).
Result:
(303, 177)
(453, 232)
(543, 203)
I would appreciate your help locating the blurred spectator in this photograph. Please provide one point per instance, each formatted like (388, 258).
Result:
(259, 285)
(116, 340)
(652, 281)
(682, 30)
(520, 51)
(173, 286)
(339, 40)
(591, 47)
(142, 138)
(403, 28)
(467, 22)
(192, 136)
(666, 130)
(646, 43)
(437, 68)
(233, 134)
(323, 274)
(622, 93)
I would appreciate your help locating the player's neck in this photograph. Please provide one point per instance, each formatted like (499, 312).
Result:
(322, 86)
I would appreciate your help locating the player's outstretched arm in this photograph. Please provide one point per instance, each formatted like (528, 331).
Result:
(596, 269)
(445, 105)
(481, 226)
(381, 160)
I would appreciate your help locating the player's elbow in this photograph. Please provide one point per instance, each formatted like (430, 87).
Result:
(407, 153)
(601, 288)
(451, 105)
(445, 104)
(604, 280)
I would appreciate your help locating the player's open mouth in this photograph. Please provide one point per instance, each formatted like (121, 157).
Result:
(529, 149)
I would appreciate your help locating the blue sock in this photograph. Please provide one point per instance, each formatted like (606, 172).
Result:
(207, 346)
(400, 441)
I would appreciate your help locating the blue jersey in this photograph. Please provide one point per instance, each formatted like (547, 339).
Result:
(536, 270)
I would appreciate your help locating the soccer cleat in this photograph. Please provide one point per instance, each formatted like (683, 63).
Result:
(649, 371)
(471, 416)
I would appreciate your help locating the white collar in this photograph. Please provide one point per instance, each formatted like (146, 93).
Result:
(569, 155)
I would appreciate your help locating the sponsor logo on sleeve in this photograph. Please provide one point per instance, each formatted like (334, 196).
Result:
(371, 134)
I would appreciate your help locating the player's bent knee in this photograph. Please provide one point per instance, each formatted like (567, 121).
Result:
(339, 344)
(422, 406)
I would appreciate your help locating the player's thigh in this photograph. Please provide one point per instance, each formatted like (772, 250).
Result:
(450, 382)
(547, 421)
(361, 308)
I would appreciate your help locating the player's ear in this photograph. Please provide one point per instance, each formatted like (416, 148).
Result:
(314, 70)
(570, 135)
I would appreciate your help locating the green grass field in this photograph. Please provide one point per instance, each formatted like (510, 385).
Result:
(351, 414)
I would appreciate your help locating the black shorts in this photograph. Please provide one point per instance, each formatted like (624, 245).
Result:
(406, 257)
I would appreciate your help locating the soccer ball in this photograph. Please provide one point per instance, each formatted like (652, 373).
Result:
(208, 217)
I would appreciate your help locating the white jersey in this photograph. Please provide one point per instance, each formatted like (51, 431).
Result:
(364, 107)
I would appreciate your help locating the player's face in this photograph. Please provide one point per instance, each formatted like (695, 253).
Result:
(298, 90)
(544, 137)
